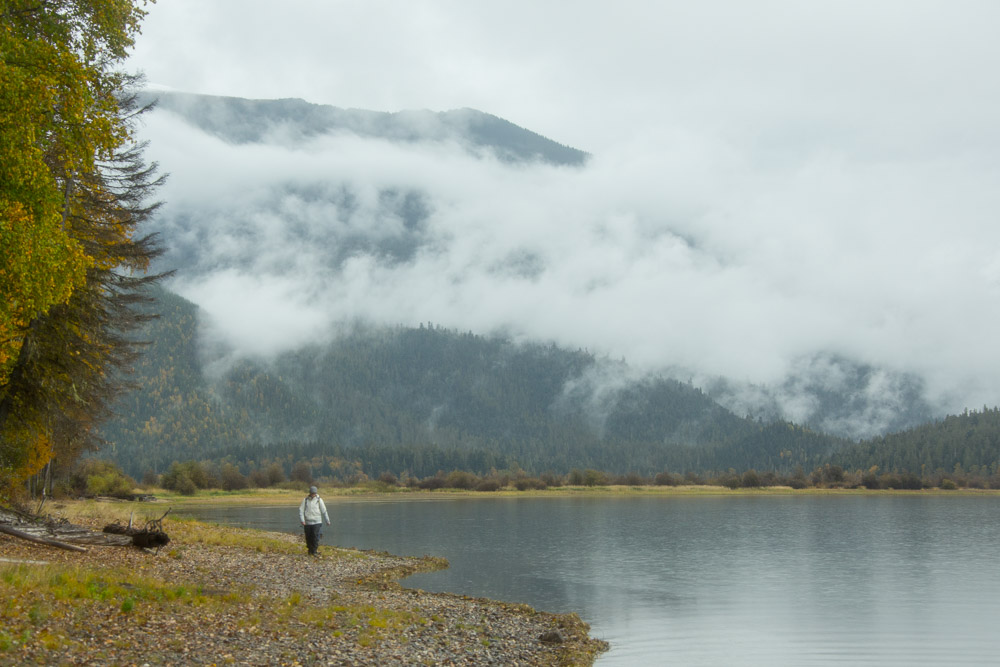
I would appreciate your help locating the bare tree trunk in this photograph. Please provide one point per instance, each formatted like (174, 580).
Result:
(46, 482)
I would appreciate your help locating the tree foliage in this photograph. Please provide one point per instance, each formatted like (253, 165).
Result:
(72, 189)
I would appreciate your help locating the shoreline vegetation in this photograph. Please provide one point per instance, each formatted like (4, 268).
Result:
(373, 493)
(96, 477)
(225, 595)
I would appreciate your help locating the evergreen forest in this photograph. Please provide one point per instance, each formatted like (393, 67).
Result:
(418, 401)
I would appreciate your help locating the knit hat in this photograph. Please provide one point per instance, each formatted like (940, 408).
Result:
(313, 489)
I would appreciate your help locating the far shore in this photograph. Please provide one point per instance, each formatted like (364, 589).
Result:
(286, 496)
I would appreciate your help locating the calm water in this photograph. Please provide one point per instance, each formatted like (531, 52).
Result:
(739, 580)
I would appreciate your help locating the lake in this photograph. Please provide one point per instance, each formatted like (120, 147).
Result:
(717, 580)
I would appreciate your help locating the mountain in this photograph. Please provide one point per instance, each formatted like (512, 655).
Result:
(427, 398)
(286, 219)
(239, 120)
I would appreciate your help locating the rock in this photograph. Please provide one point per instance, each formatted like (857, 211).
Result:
(551, 637)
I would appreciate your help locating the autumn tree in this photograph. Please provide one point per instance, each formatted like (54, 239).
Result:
(73, 190)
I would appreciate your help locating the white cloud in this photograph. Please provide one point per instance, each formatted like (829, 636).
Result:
(257, 314)
(769, 179)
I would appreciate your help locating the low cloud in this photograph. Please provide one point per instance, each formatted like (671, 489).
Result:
(682, 251)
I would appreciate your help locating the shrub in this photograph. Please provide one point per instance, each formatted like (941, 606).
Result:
(666, 479)
(906, 480)
(459, 479)
(750, 479)
(551, 479)
(910, 481)
(183, 485)
(730, 480)
(274, 474)
(109, 485)
(491, 484)
(388, 478)
(431, 483)
(356, 479)
(232, 478)
(833, 474)
(95, 477)
(870, 479)
(691, 477)
(181, 475)
(301, 472)
(948, 484)
(769, 478)
(530, 483)
(631, 479)
(889, 481)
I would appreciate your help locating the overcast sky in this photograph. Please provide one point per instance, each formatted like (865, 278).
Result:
(770, 178)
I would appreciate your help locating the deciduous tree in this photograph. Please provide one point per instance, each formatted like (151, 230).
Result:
(73, 189)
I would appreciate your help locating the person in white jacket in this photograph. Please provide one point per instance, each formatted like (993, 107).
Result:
(312, 513)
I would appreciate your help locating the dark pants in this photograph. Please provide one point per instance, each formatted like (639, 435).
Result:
(312, 536)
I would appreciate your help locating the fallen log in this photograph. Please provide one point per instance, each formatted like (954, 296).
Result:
(40, 540)
(149, 536)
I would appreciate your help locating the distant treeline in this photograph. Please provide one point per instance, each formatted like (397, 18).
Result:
(105, 478)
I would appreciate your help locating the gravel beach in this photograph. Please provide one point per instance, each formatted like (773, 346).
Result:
(254, 605)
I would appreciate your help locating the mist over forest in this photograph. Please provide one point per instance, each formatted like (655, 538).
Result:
(287, 222)
(414, 401)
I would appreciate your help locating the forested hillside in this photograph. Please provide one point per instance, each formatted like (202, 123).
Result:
(968, 443)
(420, 400)
(424, 399)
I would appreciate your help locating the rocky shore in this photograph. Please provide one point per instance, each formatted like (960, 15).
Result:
(258, 600)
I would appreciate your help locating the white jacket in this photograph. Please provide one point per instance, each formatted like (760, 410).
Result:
(313, 510)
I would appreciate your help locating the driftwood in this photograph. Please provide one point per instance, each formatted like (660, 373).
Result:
(60, 531)
(149, 536)
(65, 535)
(40, 540)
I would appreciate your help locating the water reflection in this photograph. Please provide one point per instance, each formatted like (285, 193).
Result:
(720, 580)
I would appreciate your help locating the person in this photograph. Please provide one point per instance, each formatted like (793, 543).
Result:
(312, 513)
